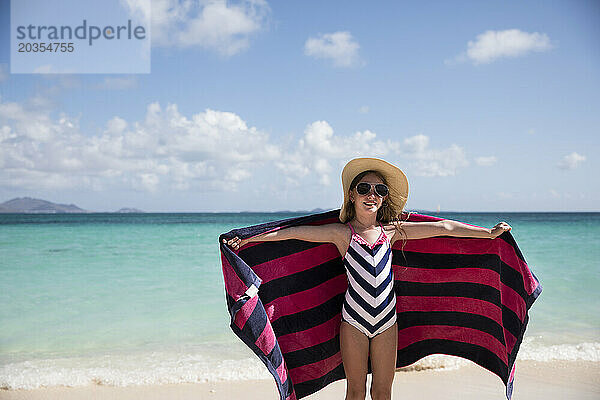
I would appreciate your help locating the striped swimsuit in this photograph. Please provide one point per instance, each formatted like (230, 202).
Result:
(370, 301)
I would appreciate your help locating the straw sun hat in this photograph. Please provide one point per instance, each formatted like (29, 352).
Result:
(394, 177)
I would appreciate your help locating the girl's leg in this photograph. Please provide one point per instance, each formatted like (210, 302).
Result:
(383, 350)
(354, 347)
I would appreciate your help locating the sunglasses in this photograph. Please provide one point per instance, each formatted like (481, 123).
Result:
(365, 188)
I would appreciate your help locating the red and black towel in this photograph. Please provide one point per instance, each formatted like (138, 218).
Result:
(465, 297)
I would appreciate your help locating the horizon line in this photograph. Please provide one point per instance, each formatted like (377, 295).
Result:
(314, 211)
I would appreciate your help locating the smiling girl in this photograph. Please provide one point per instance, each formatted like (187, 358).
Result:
(375, 193)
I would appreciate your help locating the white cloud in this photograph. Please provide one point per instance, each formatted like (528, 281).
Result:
(129, 82)
(164, 151)
(492, 45)
(571, 161)
(44, 69)
(338, 47)
(322, 153)
(486, 161)
(169, 151)
(237, 175)
(147, 181)
(216, 25)
(364, 109)
(416, 144)
(32, 124)
(116, 126)
(425, 161)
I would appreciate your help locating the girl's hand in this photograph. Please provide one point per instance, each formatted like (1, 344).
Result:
(235, 243)
(499, 229)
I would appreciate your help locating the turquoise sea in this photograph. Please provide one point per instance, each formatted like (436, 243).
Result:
(127, 299)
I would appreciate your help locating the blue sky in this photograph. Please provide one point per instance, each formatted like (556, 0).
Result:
(255, 105)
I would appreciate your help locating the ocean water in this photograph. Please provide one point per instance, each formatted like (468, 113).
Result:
(129, 299)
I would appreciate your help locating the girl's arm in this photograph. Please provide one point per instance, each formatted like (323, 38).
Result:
(329, 233)
(422, 230)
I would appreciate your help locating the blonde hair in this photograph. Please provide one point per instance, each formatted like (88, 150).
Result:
(387, 213)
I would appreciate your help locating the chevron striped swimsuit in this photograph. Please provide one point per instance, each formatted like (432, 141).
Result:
(370, 301)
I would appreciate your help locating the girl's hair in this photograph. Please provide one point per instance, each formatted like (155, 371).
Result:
(388, 212)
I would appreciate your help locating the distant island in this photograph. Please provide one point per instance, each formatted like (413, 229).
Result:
(29, 205)
(37, 206)
(313, 211)
(129, 210)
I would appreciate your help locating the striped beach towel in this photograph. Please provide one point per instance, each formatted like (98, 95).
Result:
(465, 297)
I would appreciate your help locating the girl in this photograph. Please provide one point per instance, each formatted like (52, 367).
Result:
(375, 193)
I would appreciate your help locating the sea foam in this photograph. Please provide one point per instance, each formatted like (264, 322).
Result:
(142, 369)
(157, 368)
(532, 350)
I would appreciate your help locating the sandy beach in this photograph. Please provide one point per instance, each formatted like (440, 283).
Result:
(565, 380)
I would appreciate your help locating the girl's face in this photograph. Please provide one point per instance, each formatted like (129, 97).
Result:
(371, 202)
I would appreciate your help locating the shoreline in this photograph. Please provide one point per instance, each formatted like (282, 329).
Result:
(534, 379)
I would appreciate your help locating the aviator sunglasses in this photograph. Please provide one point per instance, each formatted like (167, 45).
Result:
(364, 188)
